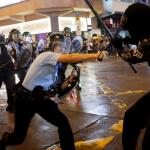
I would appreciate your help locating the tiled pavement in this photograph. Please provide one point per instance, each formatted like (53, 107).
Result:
(108, 89)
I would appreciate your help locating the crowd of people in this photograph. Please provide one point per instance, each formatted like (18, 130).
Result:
(99, 43)
(37, 77)
(19, 51)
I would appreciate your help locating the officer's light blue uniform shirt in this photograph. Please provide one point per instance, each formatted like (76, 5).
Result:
(42, 71)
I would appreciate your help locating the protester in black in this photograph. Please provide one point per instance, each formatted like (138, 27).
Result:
(136, 21)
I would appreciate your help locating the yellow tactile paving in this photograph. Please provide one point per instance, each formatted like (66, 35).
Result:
(96, 144)
(118, 126)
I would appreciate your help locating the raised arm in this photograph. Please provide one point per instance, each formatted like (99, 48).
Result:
(77, 58)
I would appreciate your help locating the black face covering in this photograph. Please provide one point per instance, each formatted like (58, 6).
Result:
(137, 20)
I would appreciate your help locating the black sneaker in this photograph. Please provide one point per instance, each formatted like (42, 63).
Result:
(4, 140)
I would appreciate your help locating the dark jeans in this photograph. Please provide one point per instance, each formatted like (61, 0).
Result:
(137, 118)
(10, 83)
(26, 107)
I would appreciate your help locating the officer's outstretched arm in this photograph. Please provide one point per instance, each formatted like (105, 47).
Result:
(77, 58)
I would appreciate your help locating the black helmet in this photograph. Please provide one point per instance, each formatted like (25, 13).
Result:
(56, 38)
(67, 31)
(135, 20)
(27, 34)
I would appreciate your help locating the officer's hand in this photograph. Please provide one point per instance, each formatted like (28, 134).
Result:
(101, 55)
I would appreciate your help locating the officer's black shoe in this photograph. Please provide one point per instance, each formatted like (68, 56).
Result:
(10, 109)
(4, 140)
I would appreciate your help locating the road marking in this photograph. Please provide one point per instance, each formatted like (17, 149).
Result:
(117, 126)
(130, 92)
(96, 144)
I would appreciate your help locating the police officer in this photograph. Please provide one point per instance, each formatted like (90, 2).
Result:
(135, 20)
(21, 50)
(7, 73)
(41, 74)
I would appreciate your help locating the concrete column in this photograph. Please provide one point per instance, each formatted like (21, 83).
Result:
(54, 24)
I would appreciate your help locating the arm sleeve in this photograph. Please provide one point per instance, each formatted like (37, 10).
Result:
(51, 58)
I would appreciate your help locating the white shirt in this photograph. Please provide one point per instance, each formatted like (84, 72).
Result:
(42, 71)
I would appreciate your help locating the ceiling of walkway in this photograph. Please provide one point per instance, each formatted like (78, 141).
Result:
(29, 10)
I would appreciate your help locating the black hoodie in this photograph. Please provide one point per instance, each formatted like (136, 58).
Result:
(138, 21)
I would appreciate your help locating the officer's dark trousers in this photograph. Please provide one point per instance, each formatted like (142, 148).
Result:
(137, 118)
(25, 108)
(9, 81)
